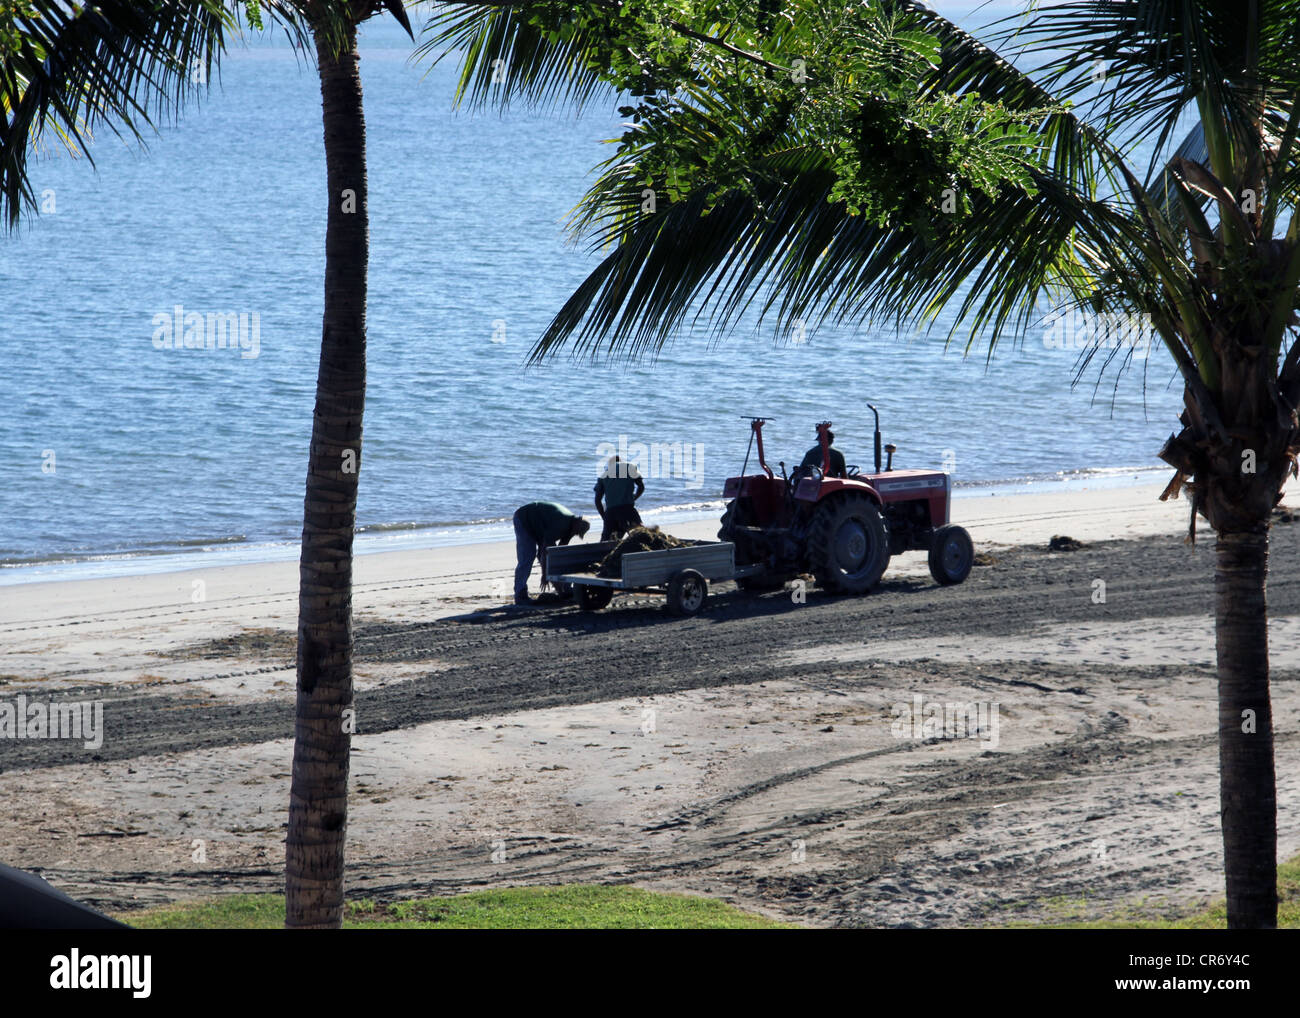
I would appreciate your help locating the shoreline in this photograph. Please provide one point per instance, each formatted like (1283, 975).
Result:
(213, 601)
(380, 539)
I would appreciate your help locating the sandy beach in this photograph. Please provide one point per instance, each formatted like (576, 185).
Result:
(754, 752)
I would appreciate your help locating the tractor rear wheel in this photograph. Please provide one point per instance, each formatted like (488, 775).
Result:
(848, 545)
(951, 555)
(739, 514)
(736, 514)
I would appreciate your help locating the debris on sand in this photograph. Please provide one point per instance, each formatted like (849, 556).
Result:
(638, 539)
(983, 558)
(1283, 514)
(1062, 543)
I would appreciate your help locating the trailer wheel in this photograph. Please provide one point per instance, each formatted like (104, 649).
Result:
(687, 591)
(951, 555)
(593, 599)
(848, 545)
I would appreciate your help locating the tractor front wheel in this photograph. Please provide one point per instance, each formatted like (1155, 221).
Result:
(848, 545)
(951, 555)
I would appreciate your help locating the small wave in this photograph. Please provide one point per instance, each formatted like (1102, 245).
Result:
(405, 525)
(66, 558)
(193, 542)
(1060, 476)
(687, 507)
(10, 559)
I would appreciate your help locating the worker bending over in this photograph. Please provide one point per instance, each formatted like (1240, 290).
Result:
(538, 525)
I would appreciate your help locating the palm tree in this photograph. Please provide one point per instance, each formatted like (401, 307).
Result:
(314, 848)
(68, 68)
(1201, 239)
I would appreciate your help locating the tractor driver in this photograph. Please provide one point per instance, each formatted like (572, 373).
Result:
(813, 457)
(538, 525)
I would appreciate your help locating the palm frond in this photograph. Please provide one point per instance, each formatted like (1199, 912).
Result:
(505, 55)
(69, 69)
(1137, 67)
(777, 239)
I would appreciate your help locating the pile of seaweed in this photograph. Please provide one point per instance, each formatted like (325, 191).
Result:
(638, 539)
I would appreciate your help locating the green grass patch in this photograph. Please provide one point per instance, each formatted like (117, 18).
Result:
(1075, 914)
(574, 906)
(585, 906)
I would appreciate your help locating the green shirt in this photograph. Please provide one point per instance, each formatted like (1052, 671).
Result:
(813, 458)
(548, 522)
(618, 490)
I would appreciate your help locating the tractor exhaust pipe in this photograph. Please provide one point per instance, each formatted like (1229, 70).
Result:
(877, 413)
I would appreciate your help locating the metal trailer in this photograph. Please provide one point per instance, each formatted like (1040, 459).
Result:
(683, 574)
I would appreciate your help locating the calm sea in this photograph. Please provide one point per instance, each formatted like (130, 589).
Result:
(118, 456)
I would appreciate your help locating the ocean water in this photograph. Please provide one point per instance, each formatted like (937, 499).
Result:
(118, 456)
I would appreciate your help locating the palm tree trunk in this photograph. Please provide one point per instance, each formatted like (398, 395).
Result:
(322, 739)
(1247, 789)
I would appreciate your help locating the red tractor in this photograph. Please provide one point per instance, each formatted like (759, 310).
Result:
(842, 530)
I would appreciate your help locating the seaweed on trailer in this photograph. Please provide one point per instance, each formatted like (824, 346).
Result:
(637, 539)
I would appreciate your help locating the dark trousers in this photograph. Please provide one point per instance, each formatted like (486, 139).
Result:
(525, 554)
(619, 519)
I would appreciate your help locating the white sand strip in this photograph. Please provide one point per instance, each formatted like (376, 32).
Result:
(266, 593)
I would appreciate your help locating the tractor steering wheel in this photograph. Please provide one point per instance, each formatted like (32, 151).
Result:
(851, 470)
